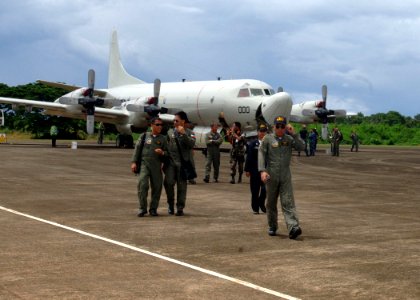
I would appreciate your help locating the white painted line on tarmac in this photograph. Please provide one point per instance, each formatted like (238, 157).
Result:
(175, 261)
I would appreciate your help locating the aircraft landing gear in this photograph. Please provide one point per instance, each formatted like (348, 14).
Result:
(124, 141)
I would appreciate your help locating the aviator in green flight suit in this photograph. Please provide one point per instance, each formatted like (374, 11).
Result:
(274, 157)
(155, 148)
(213, 141)
(186, 140)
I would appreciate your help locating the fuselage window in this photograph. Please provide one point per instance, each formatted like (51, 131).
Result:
(243, 93)
(256, 92)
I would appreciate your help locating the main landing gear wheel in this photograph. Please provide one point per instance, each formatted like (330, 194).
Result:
(124, 141)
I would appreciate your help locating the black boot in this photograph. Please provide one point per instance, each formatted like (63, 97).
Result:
(240, 178)
(233, 180)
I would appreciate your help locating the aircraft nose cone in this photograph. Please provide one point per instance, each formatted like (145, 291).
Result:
(279, 104)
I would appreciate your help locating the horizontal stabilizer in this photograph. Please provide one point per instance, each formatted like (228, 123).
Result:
(69, 88)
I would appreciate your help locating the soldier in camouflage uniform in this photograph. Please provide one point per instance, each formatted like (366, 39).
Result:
(237, 153)
(150, 157)
(186, 140)
(213, 141)
(274, 157)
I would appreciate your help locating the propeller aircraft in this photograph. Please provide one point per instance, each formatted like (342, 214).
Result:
(129, 103)
(316, 111)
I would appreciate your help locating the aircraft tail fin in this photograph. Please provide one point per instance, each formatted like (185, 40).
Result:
(117, 75)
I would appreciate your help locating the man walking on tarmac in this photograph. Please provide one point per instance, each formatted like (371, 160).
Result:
(274, 157)
(237, 153)
(213, 142)
(258, 192)
(181, 141)
(150, 150)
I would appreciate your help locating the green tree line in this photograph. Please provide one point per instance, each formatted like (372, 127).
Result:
(378, 129)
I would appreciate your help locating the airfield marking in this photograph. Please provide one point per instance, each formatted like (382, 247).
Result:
(175, 261)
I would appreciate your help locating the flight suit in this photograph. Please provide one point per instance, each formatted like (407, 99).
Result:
(150, 169)
(213, 142)
(237, 157)
(336, 139)
(274, 157)
(172, 170)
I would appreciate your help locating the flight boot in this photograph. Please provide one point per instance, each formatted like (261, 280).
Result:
(240, 178)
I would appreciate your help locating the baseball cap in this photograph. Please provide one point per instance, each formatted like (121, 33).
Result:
(262, 127)
(280, 120)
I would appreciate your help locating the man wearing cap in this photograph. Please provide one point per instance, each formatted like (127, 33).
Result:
(213, 141)
(258, 193)
(150, 151)
(237, 153)
(181, 141)
(274, 157)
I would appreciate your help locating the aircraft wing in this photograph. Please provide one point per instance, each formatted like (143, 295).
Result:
(31, 103)
(107, 115)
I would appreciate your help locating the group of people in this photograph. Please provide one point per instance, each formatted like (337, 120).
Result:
(336, 138)
(267, 165)
(152, 150)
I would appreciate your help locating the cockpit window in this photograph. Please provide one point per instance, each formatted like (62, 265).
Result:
(256, 92)
(243, 93)
(267, 92)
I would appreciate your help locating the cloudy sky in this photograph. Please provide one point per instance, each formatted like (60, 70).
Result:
(366, 52)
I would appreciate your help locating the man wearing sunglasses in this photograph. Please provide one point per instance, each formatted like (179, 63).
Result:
(274, 157)
(151, 149)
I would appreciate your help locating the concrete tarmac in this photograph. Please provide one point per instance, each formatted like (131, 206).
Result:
(69, 230)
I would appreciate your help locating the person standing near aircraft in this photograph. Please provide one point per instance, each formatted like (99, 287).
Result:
(336, 139)
(354, 141)
(181, 141)
(237, 153)
(151, 148)
(53, 134)
(274, 157)
(101, 131)
(258, 192)
(213, 141)
(304, 136)
(313, 139)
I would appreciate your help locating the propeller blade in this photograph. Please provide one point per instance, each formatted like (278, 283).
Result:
(156, 90)
(68, 100)
(324, 132)
(90, 122)
(91, 79)
(340, 113)
(324, 95)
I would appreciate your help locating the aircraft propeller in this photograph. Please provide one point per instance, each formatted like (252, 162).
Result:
(88, 100)
(151, 106)
(323, 113)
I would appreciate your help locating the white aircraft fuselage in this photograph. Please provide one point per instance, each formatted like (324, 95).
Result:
(127, 100)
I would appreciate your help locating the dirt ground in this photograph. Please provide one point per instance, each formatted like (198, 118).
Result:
(360, 215)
